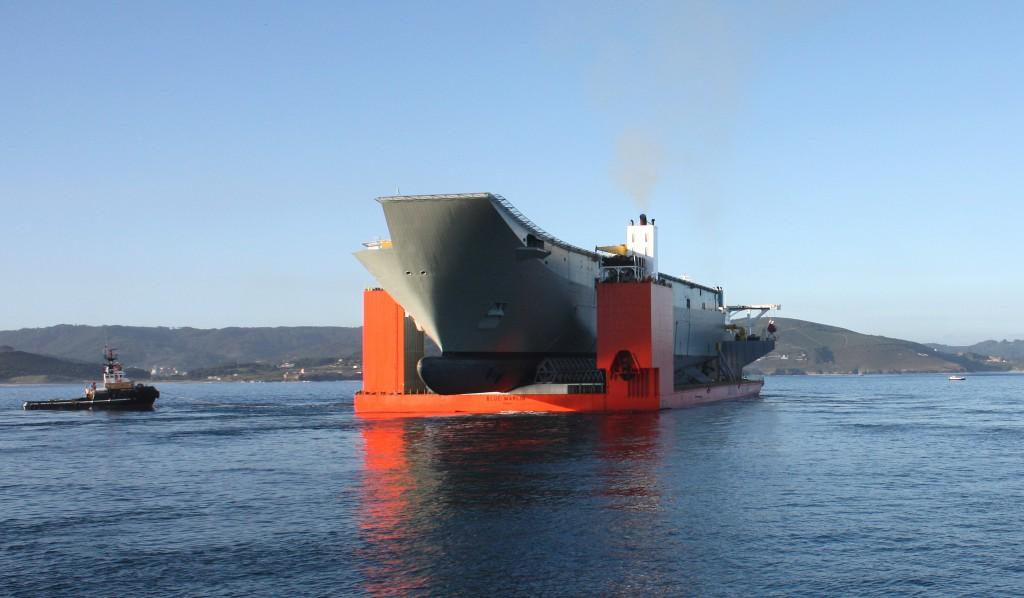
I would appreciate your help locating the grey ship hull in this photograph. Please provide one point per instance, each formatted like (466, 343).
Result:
(498, 294)
(456, 267)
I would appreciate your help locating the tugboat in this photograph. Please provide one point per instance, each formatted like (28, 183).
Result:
(117, 392)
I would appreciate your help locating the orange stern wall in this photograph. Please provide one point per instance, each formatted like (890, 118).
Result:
(383, 342)
(636, 317)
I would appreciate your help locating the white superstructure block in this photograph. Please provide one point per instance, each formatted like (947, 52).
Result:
(642, 239)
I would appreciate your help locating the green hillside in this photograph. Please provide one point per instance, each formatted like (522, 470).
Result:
(803, 347)
(808, 347)
(1009, 350)
(186, 348)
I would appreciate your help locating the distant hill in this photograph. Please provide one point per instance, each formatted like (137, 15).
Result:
(1010, 350)
(808, 347)
(803, 347)
(186, 348)
(19, 366)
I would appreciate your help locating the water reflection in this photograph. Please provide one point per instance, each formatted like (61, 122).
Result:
(630, 451)
(384, 507)
(449, 505)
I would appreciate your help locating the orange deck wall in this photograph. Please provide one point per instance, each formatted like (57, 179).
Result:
(636, 317)
(383, 342)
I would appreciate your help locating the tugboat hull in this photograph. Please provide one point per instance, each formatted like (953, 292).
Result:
(139, 398)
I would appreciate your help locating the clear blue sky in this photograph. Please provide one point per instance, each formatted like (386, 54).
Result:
(215, 164)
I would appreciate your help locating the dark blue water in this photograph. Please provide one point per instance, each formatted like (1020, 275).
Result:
(828, 485)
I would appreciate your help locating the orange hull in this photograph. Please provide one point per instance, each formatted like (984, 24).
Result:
(432, 404)
(634, 324)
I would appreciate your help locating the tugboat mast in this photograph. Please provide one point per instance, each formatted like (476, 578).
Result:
(113, 372)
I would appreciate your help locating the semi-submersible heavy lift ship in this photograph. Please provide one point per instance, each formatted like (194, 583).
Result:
(527, 322)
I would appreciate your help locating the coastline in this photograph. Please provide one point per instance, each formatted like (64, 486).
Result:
(5, 384)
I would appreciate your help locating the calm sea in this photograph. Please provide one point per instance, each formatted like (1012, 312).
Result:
(871, 485)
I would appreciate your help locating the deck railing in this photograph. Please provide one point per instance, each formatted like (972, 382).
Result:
(531, 226)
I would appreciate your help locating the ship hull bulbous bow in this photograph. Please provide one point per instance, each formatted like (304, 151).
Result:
(463, 374)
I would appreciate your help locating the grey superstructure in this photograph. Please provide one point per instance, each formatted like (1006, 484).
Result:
(499, 295)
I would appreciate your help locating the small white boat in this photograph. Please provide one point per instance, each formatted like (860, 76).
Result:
(957, 378)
